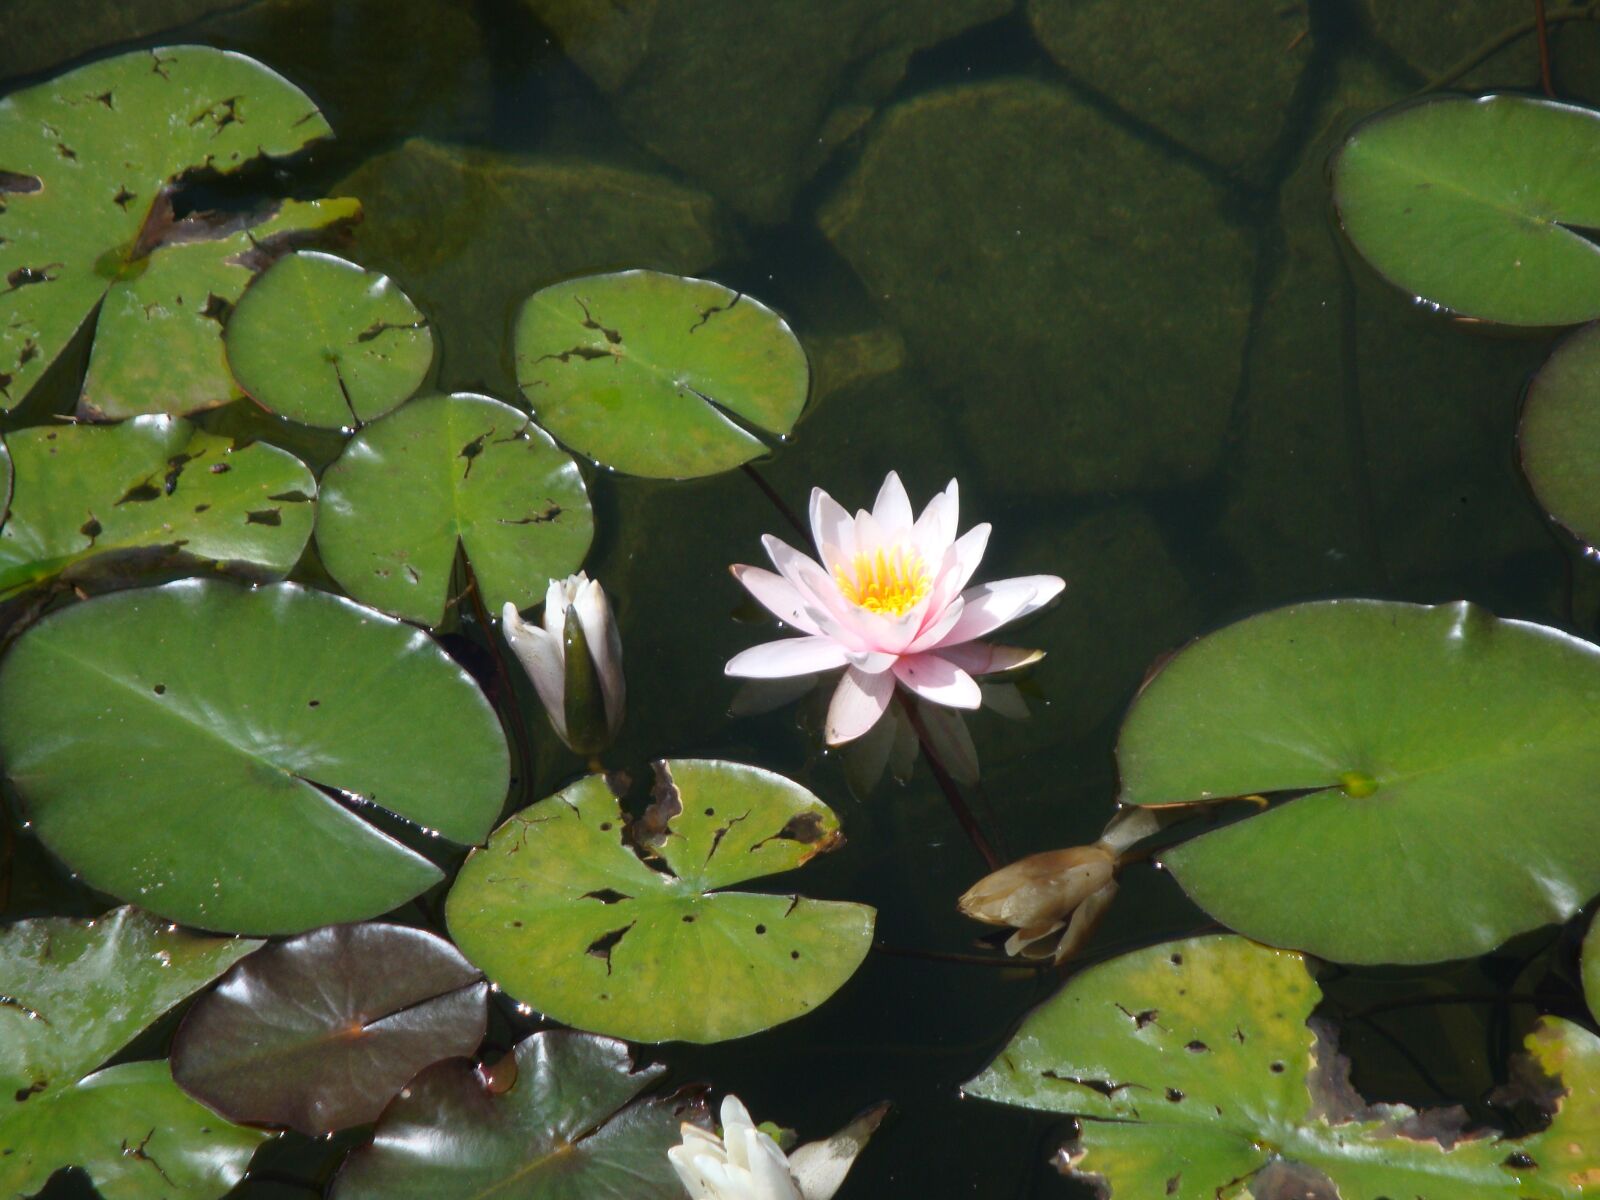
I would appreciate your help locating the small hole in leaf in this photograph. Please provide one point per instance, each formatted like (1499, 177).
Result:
(313, 703)
(160, 689)
(688, 918)
(794, 954)
(1277, 1068)
(1176, 960)
(761, 928)
(711, 812)
(605, 826)
(1174, 1095)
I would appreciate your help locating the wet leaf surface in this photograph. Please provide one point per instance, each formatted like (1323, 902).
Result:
(563, 913)
(659, 375)
(569, 1127)
(320, 1032)
(73, 993)
(1559, 436)
(445, 471)
(220, 754)
(1412, 731)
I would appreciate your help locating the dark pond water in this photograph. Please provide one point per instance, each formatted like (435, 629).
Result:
(1076, 255)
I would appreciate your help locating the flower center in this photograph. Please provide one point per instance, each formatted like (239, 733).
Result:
(890, 582)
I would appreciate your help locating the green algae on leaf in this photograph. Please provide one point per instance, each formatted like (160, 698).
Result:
(561, 910)
(659, 375)
(445, 472)
(1194, 1074)
(75, 993)
(1559, 436)
(1479, 205)
(221, 754)
(1440, 772)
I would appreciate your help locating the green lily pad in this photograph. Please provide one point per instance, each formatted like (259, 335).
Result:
(1480, 206)
(76, 992)
(1591, 967)
(557, 1119)
(659, 375)
(1194, 1076)
(1412, 732)
(111, 504)
(325, 342)
(218, 753)
(1559, 436)
(445, 471)
(158, 340)
(320, 1032)
(563, 912)
(84, 161)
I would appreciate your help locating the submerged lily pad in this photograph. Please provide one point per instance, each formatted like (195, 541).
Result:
(443, 472)
(320, 1032)
(1560, 434)
(1450, 765)
(76, 992)
(219, 754)
(556, 1119)
(325, 342)
(1481, 206)
(1194, 1075)
(108, 504)
(84, 161)
(659, 375)
(562, 912)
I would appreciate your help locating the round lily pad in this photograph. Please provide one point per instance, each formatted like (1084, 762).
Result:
(1591, 967)
(1436, 773)
(659, 375)
(445, 471)
(1560, 434)
(564, 912)
(320, 1032)
(1486, 207)
(325, 342)
(220, 754)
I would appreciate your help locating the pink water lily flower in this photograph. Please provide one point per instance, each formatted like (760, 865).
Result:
(889, 602)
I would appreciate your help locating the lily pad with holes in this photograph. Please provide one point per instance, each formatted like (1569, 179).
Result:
(224, 756)
(320, 1032)
(1436, 773)
(75, 993)
(1559, 436)
(443, 472)
(561, 910)
(109, 505)
(325, 342)
(557, 1119)
(659, 375)
(1485, 207)
(1194, 1075)
(85, 161)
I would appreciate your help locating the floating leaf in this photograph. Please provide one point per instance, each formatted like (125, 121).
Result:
(445, 471)
(1560, 434)
(158, 341)
(562, 912)
(85, 159)
(659, 375)
(1591, 967)
(325, 342)
(564, 1130)
(108, 504)
(1411, 731)
(1195, 1076)
(1481, 206)
(73, 993)
(217, 753)
(320, 1032)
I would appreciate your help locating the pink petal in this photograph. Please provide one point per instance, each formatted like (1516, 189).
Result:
(960, 560)
(825, 607)
(986, 658)
(991, 605)
(833, 528)
(936, 527)
(788, 656)
(936, 625)
(938, 681)
(858, 702)
(872, 662)
(892, 509)
(777, 595)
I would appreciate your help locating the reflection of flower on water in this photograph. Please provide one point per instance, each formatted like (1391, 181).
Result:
(746, 1163)
(889, 603)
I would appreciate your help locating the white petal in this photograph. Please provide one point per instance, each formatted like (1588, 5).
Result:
(787, 656)
(936, 527)
(832, 528)
(605, 647)
(769, 1169)
(991, 605)
(820, 1167)
(1085, 921)
(544, 659)
(858, 702)
(684, 1162)
(873, 662)
(986, 658)
(938, 681)
(935, 627)
(870, 535)
(777, 595)
(736, 1123)
(828, 610)
(960, 560)
(892, 509)
(555, 608)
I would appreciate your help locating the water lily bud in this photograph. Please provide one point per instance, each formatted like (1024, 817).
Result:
(574, 661)
(746, 1162)
(1063, 892)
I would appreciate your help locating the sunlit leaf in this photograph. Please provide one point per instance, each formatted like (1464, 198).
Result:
(1560, 434)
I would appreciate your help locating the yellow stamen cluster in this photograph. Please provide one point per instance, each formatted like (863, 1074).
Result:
(889, 582)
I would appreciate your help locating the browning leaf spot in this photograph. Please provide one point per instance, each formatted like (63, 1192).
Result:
(264, 516)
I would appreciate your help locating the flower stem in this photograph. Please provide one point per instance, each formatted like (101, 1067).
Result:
(778, 501)
(948, 785)
(1542, 29)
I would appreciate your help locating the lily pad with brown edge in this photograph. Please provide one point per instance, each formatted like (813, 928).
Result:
(323, 341)
(659, 375)
(226, 756)
(86, 160)
(1559, 435)
(445, 472)
(1434, 772)
(1193, 1074)
(105, 506)
(318, 1033)
(565, 910)
(558, 1118)
(75, 993)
